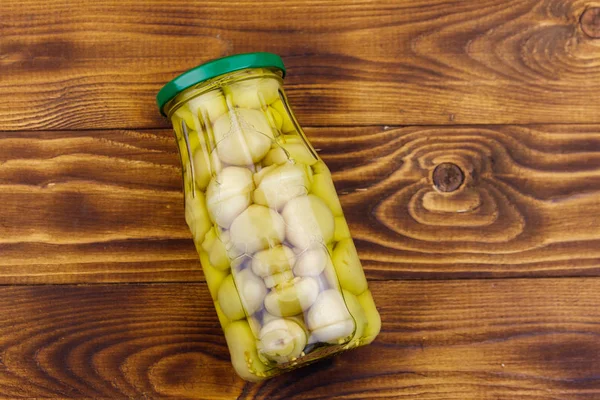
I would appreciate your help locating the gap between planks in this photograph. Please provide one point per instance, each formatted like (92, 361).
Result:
(312, 126)
(379, 281)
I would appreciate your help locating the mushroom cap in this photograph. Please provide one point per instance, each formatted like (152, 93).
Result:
(257, 228)
(208, 107)
(333, 333)
(214, 276)
(229, 300)
(196, 215)
(357, 312)
(252, 290)
(185, 115)
(308, 221)
(341, 229)
(328, 318)
(292, 297)
(323, 187)
(253, 93)
(262, 172)
(278, 279)
(228, 194)
(230, 182)
(273, 260)
(280, 185)
(281, 340)
(373, 318)
(275, 156)
(242, 136)
(312, 261)
(297, 149)
(216, 250)
(242, 349)
(348, 268)
(202, 168)
(287, 125)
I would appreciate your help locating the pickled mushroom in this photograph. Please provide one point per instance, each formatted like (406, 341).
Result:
(253, 93)
(286, 124)
(330, 247)
(216, 250)
(214, 276)
(255, 324)
(257, 228)
(281, 340)
(281, 184)
(260, 174)
(357, 313)
(298, 149)
(275, 156)
(196, 215)
(202, 169)
(311, 262)
(328, 319)
(243, 136)
(252, 290)
(372, 315)
(185, 125)
(293, 297)
(320, 168)
(273, 260)
(229, 299)
(341, 229)
(228, 194)
(210, 105)
(308, 220)
(275, 118)
(184, 114)
(308, 171)
(222, 318)
(242, 348)
(278, 279)
(322, 186)
(234, 254)
(348, 268)
(330, 275)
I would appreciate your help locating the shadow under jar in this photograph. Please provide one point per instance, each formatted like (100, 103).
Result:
(275, 248)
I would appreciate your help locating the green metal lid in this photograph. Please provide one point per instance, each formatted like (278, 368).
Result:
(215, 68)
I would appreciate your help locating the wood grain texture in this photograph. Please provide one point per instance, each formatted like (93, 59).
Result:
(98, 64)
(528, 206)
(503, 93)
(454, 340)
(106, 206)
(93, 207)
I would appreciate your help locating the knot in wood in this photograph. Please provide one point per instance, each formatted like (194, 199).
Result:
(590, 22)
(448, 177)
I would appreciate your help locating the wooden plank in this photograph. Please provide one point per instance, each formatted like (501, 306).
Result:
(528, 206)
(98, 64)
(479, 339)
(92, 207)
(106, 206)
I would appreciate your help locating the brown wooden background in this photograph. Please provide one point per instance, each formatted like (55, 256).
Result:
(488, 292)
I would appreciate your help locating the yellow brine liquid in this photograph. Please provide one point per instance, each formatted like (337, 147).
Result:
(275, 248)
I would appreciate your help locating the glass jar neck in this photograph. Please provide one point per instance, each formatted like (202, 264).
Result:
(218, 82)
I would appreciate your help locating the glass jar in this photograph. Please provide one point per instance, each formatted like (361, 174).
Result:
(275, 248)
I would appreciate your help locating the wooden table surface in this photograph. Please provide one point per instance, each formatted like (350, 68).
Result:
(489, 291)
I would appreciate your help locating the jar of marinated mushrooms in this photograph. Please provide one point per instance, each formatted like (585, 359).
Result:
(274, 245)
